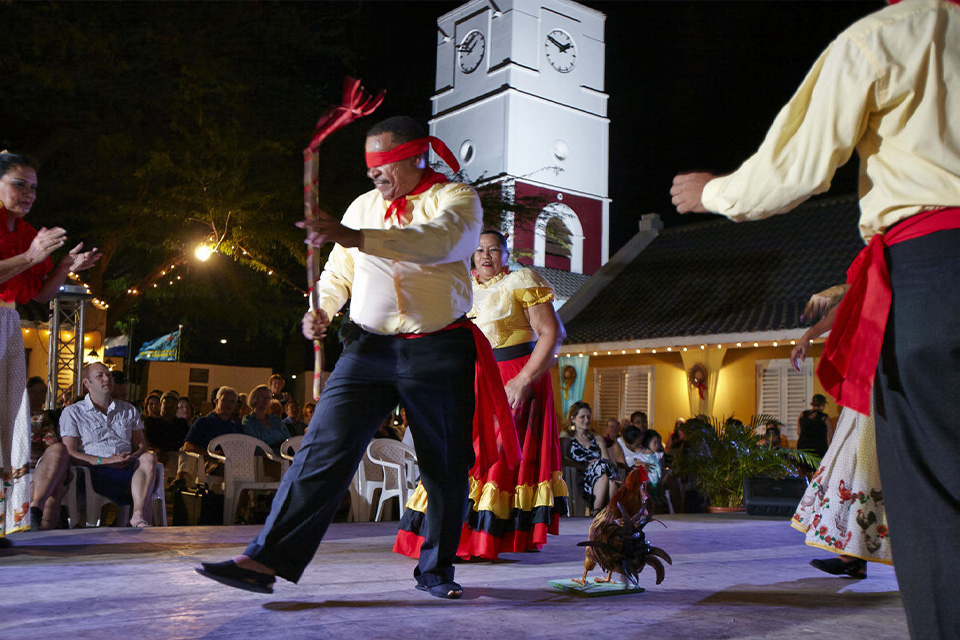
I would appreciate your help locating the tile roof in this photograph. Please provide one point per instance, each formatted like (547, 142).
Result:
(719, 277)
(565, 283)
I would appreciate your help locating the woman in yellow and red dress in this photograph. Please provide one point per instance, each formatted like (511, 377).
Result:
(511, 510)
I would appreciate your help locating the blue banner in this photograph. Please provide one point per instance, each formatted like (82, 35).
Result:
(116, 347)
(163, 348)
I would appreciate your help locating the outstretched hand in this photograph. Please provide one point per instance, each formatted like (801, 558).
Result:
(687, 191)
(79, 260)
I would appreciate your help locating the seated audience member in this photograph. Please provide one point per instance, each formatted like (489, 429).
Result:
(308, 410)
(639, 420)
(151, 406)
(390, 428)
(107, 435)
(612, 432)
(599, 478)
(275, 384)
(677, 438)
(121, 386)
(294, 425)
(276, 409)
(264, 425)
(165, 434)
(49, 459)
(243, 409)
(185, 410)
(629, 447)
(651, 457)
(216, 423)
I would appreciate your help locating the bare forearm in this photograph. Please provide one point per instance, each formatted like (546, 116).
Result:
(14, 266)
(51, 285)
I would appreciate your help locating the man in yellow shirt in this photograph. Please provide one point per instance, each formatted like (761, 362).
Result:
(402, 258)
(889, 87)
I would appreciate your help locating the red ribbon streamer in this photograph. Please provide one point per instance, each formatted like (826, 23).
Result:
(494, 432)
(849, 362)
(411, 149)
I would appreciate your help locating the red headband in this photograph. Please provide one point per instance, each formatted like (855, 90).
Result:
(411, 149)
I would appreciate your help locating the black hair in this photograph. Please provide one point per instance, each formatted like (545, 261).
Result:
(500, 237)
(34, 381)
(773, 430)
(638, 413)
(402, 128)
(648, 437)
(632, 435)
(10, 160)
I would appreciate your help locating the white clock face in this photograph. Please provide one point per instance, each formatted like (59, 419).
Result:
(561, 51)
(470, 51)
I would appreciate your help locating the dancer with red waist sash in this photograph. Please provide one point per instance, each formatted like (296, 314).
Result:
(401, 257)
(882, 88)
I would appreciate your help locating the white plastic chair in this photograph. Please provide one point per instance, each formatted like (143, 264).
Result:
(95, 502)
(393, 457)
(289, 449)
(367, 481)
(239, 456)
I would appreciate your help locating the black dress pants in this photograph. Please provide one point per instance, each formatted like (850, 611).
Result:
(433, 376)
(917, 406)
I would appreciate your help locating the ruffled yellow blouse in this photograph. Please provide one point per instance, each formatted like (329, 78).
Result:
(498, 306)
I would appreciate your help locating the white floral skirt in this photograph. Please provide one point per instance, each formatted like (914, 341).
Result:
(14, 427)
(842, 510)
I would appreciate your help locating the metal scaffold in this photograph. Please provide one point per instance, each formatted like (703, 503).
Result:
(66, 357)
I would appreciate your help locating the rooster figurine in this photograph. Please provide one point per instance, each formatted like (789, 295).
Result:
(616, 540)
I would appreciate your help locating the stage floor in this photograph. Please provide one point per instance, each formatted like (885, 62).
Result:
(734, 576)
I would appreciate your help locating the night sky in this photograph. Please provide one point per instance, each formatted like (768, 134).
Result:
(692, 85)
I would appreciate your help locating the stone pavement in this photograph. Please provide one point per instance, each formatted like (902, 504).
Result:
(734, 576)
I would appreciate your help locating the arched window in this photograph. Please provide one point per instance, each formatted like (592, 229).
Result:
(558, 239)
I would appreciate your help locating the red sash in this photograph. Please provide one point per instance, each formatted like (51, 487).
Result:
(493, 428)
(849, 362)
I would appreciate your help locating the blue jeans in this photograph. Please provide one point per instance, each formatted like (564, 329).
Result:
(433, 378)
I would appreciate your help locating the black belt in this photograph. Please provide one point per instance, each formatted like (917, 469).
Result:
(503, 354)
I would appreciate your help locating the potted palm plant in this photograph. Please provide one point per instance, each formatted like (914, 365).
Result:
(721, 454)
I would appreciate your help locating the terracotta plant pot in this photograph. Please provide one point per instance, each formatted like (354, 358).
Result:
(712, 509)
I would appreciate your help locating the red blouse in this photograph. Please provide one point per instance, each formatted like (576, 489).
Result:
(22, 287)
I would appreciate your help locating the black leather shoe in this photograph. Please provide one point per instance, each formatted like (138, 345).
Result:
(230, 574)
(837, 567)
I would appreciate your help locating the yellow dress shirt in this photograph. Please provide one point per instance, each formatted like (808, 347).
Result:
(409, 278)
(881, 88)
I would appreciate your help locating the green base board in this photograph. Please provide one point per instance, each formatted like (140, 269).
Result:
(595, 589)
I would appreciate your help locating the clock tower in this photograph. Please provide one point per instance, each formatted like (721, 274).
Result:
(519, 99)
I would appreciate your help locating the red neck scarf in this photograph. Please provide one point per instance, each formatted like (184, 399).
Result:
(849, 362)
(409, 150)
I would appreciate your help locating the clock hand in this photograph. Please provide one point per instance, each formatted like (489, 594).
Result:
(555, 43)
(563, 49)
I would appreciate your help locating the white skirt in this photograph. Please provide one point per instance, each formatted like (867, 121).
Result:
(14, 427)
(842, 510)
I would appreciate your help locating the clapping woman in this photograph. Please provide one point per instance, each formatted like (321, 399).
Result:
(26, 273)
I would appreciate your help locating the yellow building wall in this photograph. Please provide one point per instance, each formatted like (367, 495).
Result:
(175, 376)
(736, 393)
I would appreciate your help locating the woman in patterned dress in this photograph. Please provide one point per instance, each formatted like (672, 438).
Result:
(842, 509)
(511, 510)
(26, 273)
(600, 477)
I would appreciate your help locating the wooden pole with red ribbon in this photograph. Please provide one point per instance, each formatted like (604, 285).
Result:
(356, 104)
